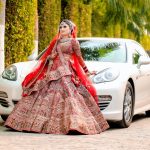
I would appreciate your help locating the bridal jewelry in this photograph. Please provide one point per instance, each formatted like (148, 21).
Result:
(64, 40)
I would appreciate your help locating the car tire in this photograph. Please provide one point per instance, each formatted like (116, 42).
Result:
(148, 113)
(128, 107)
(4, 117)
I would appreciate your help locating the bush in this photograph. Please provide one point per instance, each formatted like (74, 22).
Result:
(19, 30)
(49, 18)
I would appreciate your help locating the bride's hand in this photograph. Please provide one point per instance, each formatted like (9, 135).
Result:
(52, 56)
(93, 72)
(90, 73)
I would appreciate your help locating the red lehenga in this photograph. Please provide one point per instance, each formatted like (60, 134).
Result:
(58, 101)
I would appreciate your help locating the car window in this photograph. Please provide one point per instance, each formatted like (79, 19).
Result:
(103, 50)
(136, 56)
(137, 50)
(100, 50)
(136, 47)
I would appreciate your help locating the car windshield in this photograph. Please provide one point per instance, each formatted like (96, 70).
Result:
(103, 50)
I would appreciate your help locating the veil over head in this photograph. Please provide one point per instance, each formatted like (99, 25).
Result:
(73, 29)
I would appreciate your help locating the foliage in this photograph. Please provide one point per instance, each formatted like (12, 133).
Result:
(49, 18)
(1, 4)
(0, 8)
(85, 20)
(127, 19)
(145, 40)
(130, 15)
(97, 18)
(98, 13)
(80, 13)
(19, 30)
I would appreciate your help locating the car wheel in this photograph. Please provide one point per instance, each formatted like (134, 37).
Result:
(128, 107)
(148, 113)
(4, 117)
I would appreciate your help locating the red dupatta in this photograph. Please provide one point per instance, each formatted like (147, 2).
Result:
(41, 68)
(83, 77)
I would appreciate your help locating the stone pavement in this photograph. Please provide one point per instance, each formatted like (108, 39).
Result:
(136, 137)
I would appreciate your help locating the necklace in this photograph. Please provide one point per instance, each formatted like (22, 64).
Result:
(64, 40)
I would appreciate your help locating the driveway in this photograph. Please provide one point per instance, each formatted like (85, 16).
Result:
(136, 137)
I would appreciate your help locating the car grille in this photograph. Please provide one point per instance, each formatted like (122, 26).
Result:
(104, 101)
(4, 103)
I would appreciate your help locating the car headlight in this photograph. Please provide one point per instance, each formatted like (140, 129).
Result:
(10, 73)
(106, 75)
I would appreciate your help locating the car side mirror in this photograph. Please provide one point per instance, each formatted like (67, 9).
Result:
(143, 60)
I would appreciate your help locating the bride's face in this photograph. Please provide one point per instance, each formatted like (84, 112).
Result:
(64, 29)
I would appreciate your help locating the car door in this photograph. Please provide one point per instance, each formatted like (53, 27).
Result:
(142, 86)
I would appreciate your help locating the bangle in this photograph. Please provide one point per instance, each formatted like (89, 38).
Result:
(85, 69)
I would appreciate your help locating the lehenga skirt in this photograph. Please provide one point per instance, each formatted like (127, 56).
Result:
(58, 108)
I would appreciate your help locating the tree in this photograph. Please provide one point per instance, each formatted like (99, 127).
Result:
(49, 12)
(19, 30)
(99, 9)
(2, 33)
(131, 15)
(36, 32)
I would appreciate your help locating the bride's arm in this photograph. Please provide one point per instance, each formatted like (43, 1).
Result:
(76, 48)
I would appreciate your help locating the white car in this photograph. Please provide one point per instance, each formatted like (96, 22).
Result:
(122, 80)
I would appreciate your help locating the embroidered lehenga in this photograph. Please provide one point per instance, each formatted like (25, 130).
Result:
(58, 103)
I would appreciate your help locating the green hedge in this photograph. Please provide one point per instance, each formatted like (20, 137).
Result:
(88, 15)
(99, 9)
(49, 18)
(85, 20)
(0, 6)
(19, 30)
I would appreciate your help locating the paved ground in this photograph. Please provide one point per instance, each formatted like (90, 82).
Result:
(136, 137)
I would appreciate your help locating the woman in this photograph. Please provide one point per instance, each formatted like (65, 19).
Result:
(58, 98)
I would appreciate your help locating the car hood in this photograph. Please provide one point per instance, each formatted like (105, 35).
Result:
(24, 68)
(99, 66)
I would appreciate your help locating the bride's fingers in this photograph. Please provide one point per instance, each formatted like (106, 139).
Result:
(93, 72)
